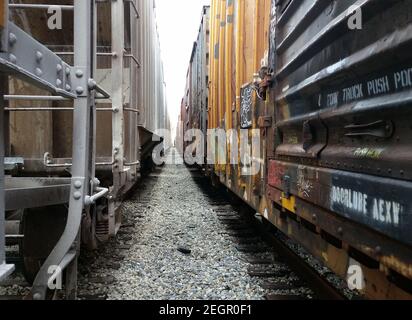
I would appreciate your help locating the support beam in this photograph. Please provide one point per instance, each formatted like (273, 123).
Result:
(5, 269)
(83, 143)
(118, 36)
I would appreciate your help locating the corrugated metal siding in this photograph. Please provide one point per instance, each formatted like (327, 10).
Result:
(153, 106)
(343, 109)
(144, 88)
(199, 75)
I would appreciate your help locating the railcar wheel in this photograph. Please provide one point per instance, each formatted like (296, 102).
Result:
(42, 229)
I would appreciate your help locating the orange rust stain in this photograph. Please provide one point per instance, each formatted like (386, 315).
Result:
(3, 11)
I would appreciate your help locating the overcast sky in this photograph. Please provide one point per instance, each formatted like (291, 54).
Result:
(178, 23)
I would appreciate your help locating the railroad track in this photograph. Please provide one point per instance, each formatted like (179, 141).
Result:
(282, 272)
(278, 270)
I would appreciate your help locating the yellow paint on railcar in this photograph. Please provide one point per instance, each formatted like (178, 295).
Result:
(239, 41)
(289, 203)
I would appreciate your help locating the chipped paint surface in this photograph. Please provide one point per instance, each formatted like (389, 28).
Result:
(374, 153)
(305, 185)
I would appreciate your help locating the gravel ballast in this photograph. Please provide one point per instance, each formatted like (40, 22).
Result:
(176, 250)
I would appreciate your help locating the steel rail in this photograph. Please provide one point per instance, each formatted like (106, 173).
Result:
(322, 288)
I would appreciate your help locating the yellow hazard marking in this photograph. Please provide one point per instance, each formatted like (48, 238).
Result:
(289, 204)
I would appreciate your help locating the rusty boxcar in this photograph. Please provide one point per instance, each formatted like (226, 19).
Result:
(199, 76)
(46, 136)
(193, 114)
(325, 86)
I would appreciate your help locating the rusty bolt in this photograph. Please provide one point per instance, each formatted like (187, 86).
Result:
(314, 217)
(340, 231)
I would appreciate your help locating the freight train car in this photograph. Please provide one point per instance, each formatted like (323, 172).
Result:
(321, 91)
(76, 138)
(196, 98)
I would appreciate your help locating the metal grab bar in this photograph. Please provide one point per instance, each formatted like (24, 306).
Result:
(134, 8)
(101, 192)
(36, 98)
(39, 6)
(47, 162)
(137, 62)
(34, 109)
(38, 109)
(131, 164)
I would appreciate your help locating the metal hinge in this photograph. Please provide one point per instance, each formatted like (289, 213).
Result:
(265, 122)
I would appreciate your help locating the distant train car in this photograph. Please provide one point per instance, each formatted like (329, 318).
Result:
(130, 107)
(196, 97)
(321, 91)
(180, 128)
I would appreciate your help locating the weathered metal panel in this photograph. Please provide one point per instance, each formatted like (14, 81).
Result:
(342, 156)
(54, 127)
(237, 92)
(22, 193)
(153, 114)
(380, 203)
(198, 77)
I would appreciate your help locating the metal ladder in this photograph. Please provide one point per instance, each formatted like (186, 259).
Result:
(5, 269)
(48, 71)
